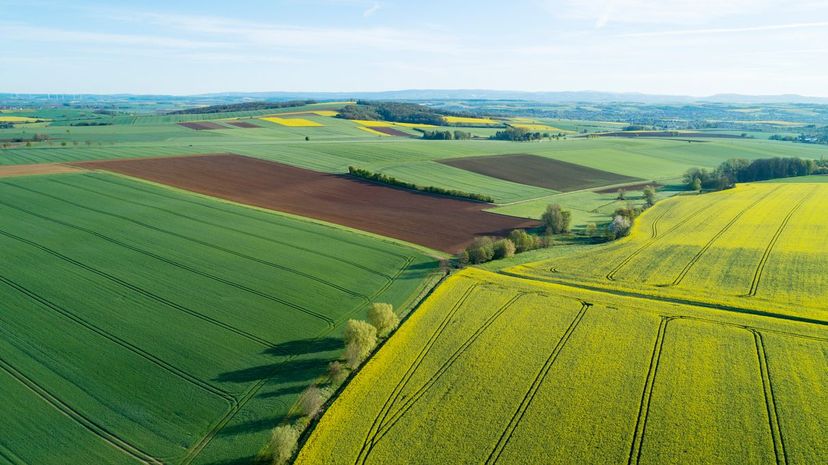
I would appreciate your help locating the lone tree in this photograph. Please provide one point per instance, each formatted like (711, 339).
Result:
(556, 219)
(360, 340)
(696, 184)
(649, 195)
(382, 317)
(621, 194)
(284, 442)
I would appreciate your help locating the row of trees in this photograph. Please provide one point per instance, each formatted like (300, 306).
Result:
(246, 106)
(741, 170)
(361, 338)
(392, 111)
(392, 181)
(446, 135)
(519, 135)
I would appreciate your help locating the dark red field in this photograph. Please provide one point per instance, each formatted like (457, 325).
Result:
(440, 223)
(390, 131)
(539, 171)
(243, 124)
(202, 125)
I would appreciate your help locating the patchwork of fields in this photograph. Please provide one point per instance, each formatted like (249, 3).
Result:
(493, 369)
(440, 223)
(142, 324)
(758, 247)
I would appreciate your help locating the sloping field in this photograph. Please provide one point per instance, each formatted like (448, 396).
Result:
(140, 324)
(244, 124)
(40, 168)
(202, 125)
(390, 131)
(292, 122)
(440, 223)
(759, 247)
(538, 171)
(493, 369)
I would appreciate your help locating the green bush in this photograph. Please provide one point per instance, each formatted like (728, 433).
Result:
(481, 250)
(556, 220)
(284, 441)
(360, 340)
(382, 317)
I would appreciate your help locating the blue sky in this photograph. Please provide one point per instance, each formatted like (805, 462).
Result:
(692, 47)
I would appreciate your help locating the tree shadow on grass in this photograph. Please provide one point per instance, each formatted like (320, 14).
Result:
(290, 371)
(249, 460)
(305, 346)
(283, 391)
(255, 426)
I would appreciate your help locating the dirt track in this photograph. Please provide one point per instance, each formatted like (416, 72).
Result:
(437, 222)
(42, 168)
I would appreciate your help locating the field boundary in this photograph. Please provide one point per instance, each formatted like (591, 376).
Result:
(770, 400)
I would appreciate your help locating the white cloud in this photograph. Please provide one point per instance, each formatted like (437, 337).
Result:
(604, 12)
(376, 6)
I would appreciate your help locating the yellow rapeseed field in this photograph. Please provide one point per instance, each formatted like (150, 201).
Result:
(371, 131)
(757, 247)
(292, 122)
(494, 369)
(390, 124)
(467, 120)
(18, 119)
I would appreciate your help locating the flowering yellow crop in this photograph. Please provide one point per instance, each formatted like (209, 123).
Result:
(18, 119)
(376, 133)
(292, 122)
(466, 120)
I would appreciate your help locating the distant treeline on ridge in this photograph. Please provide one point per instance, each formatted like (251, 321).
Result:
(246, 106)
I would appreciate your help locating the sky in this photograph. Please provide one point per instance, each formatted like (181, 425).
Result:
(677, 47)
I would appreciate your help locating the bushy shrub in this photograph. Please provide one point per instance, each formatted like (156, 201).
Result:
(504, 248)
(360, 340)
(620, 226)
(481, 250)
(523, 240)
(556, 219)
(284, 440)
(382, 317)
(337, 372)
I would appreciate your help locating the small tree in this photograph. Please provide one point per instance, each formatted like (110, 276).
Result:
(620, 226)
(481, 250)
(284, 442)
(696, 184)
(382, 317)
(523, 240)
(621, 194)
(504, 248)
(337, 372)
(360, 340)
(649, 195)
(556, 219)
(312, 400)
(591, 230)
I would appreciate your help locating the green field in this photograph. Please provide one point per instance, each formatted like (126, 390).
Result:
(147, 325)
(493, 369)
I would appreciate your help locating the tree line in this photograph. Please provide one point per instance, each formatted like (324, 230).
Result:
(519, 135)
(392, 111)
(445, 135)
(245, 106)
(392, 181)
(736, 170)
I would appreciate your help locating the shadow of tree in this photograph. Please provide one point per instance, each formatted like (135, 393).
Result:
(305, 346)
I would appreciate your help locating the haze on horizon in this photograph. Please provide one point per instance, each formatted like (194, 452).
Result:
(678, 47)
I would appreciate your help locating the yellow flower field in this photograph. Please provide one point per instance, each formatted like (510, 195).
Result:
(293, 122)
(371, 131)
(466, 120)
(494, 369)
(18, 119)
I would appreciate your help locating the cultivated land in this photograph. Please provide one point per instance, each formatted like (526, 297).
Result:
(493, 369)
(436, 222)
(539, 171)
(141, 324)
(759, 247)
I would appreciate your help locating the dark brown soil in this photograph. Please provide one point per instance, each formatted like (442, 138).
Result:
(243, 124)
(390, 131)
(539, 171)
(437, 222)
(202, 125)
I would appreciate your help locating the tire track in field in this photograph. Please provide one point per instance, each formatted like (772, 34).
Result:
(10, 457)
(179, 265)
(403, 382)
(770, 400)
(647, 394)
(250, 217)
(611, 275)
(205, 440)
(144, 292)
(68, 314)
(111, 438)
(526, 402)
(200, 242)
(760, 268)
(422, 390)
(683, 273)
(225, 227)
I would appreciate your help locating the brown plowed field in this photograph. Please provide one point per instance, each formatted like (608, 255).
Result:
(202, 125)
(243, 124)
(390, 131)
(539, 171)
(437, 222)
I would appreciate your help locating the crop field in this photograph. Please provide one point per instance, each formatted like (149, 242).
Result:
(293, 122)
(460, 120)
(539, 171)
(146, 325)
(759, 247)
(440, 223)
(493, 369)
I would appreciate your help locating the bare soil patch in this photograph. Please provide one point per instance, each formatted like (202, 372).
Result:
(42, 168)
(243, 124)
(538, 171)
(390, 131)
(437, 222)
(202, 125)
